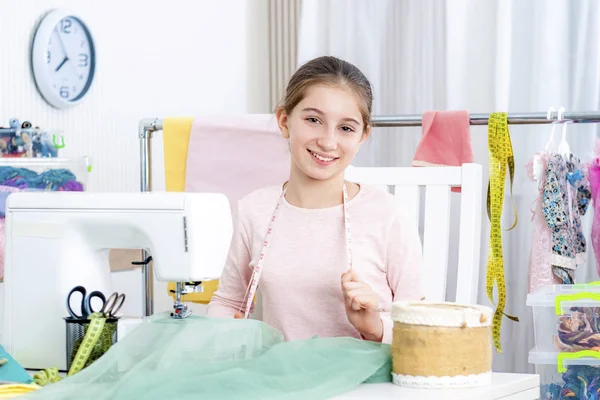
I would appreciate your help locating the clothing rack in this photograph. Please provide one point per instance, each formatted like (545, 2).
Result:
(148, 126)
(482, 119)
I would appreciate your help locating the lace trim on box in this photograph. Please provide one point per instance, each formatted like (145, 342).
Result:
(442, 381)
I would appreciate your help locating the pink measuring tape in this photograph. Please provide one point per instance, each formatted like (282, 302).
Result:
(253, 285)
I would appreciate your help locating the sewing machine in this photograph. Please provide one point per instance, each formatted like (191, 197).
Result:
(58, 240)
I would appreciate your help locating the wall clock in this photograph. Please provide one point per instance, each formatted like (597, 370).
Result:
(63, 58)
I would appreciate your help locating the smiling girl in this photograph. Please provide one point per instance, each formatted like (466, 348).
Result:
(331, 255)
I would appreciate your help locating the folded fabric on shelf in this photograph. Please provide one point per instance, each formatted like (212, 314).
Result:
(52, 179)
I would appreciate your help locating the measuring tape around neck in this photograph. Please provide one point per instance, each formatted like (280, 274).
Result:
(253, 284)
(500, 158)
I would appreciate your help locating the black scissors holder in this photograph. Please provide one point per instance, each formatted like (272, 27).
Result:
(76, 330)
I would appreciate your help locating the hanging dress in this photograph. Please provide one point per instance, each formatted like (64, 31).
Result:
(558, 245)
(594, 178)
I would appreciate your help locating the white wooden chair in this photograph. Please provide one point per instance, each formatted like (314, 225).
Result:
(437, 181)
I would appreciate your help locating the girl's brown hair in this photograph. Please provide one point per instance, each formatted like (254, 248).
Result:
(330, 71)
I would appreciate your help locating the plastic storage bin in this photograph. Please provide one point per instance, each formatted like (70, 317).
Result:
(566, 318)
(573, 376)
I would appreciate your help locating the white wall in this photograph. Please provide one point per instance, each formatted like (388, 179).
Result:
(155, 59)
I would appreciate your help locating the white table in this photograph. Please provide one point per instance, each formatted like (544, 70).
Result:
(503, 386)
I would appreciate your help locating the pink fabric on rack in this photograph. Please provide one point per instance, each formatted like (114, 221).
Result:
(9, 189)
(236, 155)
(594, 178)
(446, 140)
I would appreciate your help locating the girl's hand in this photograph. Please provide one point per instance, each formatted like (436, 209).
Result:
(361, 301)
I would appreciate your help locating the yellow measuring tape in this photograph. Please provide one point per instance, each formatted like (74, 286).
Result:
(47, 376)
(94, 330)
(501, 157)
(85, 349)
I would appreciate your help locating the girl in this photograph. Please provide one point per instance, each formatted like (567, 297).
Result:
(337, 254)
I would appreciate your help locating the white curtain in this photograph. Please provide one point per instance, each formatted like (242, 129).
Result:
(481, 56)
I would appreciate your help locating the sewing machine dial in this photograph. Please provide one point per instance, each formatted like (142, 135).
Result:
(63, 59)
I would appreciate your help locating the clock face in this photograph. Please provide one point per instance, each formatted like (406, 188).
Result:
(63, 58)
(70, 59)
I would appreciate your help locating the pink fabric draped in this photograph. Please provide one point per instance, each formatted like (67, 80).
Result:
(594, 178)
(235, 155)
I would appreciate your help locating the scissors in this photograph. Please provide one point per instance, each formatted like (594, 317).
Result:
(113, 300)
(109, 307)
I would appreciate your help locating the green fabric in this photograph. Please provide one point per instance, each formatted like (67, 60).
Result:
(226, 359)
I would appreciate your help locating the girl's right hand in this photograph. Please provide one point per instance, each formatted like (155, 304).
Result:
(238, 315)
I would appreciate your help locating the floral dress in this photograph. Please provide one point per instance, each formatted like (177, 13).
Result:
(559, 244)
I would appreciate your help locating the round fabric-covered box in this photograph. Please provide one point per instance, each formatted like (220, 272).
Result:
(441, 345)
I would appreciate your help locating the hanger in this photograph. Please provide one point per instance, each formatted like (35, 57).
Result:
(550, 147)
(563, 146)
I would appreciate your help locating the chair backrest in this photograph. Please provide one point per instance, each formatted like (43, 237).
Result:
(437, 182)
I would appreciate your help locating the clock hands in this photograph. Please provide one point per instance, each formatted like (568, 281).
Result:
(64, 49)
(62, 63)
(62, 45)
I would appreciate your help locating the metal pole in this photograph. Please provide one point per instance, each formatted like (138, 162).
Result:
(476, 119)
(482, 119)
(146, 128)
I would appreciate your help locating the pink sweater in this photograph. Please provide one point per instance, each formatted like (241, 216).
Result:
(301, 279)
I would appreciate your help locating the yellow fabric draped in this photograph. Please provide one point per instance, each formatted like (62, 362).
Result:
(176, 138)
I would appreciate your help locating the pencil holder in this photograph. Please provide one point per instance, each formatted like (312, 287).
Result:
(98, 345)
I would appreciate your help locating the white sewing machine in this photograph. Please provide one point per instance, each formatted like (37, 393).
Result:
(56, 241)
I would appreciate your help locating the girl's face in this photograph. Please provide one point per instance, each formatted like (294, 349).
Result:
(325, 131)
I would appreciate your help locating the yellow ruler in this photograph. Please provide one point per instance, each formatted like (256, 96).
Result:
(501, 157)
(92, 335)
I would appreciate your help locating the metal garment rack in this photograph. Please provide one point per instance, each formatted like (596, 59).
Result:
(148, 126)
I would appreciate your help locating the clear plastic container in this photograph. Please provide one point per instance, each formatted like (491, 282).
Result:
(567, 375)
(566, 318)
(49, 174)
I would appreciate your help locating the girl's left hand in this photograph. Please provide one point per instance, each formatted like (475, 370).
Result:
(361, 303)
